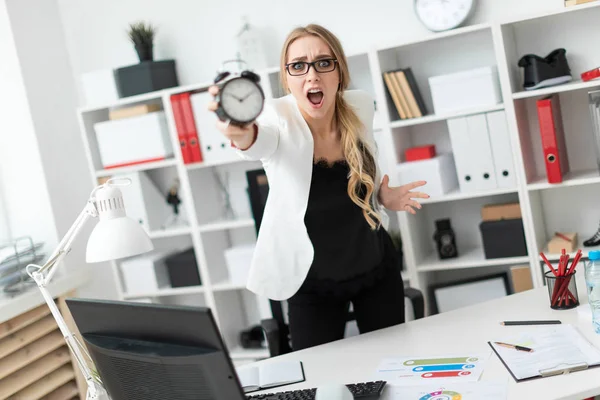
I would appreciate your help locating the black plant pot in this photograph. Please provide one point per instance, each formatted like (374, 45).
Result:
(144, 52)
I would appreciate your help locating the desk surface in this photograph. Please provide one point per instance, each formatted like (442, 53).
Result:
(356, 359)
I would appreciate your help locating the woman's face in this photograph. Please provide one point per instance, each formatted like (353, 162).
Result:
(314, 91)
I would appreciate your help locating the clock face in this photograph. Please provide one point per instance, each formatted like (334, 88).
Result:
(441, 15)
(242, 100)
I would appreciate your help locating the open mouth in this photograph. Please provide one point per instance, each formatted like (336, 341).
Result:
(315, 97)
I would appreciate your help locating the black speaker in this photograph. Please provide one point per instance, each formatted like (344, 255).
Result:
(445, 239)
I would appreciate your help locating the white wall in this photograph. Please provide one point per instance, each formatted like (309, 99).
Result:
(5, 233)
(45, 179)
(200, 34)
(24, 188)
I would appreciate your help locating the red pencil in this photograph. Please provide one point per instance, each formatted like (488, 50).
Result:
(564, 284)
(548, 264)
(575, 261)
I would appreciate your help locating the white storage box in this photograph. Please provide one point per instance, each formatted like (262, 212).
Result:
(99, 87)
(439, 172)
(133, 140)
(146, 273)
(466, 89)
(238, 261)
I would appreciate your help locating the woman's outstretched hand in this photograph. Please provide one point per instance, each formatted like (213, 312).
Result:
(401, 198)
(241, 136)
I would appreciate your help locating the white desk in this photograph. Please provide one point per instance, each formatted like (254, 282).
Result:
(356, 359)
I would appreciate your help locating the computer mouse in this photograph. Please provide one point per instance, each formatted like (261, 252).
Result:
(333, 392)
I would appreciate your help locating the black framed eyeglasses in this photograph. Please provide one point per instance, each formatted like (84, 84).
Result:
(298, 68)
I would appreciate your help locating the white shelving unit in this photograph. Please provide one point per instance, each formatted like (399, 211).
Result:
(546, 208)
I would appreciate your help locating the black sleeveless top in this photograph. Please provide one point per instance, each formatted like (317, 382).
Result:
(347, 253)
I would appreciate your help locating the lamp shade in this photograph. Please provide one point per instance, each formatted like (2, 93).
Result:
(116, 235)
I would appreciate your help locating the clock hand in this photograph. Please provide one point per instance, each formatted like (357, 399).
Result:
(237, 98)
(246, 96)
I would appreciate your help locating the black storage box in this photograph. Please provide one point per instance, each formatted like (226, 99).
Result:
(183, 269)
(145, 77)
(503, 238)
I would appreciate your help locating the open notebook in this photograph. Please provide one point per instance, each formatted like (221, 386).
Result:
(556, 350)
(270, 375)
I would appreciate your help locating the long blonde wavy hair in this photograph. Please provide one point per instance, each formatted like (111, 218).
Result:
(357, 152)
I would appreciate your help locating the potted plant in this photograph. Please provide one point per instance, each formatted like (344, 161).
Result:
(397, 240)
(142, 36)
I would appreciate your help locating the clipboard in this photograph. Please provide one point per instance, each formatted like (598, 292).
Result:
(560, 351)
(559, 369)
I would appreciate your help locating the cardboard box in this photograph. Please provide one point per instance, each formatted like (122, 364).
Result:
(570, 3)
(556, 244)
(521, 278)
(497, 212)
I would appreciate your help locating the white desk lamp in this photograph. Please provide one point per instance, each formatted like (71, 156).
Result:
(115, 236)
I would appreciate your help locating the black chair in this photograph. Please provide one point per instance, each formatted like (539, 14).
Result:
(276, 329)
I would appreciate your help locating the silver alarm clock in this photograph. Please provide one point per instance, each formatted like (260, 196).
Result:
(240, 98)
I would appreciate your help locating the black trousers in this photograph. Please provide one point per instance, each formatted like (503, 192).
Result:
(316, 319)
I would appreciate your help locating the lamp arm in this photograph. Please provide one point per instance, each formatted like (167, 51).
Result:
(94, 384)
(64, 247)
(43, 275)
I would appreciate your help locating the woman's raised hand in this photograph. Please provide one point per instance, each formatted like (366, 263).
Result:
(401, 198)
(241, 136)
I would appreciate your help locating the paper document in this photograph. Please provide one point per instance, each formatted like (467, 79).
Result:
(449, 368)
(450, 391)
(270, 375)
(556, 350)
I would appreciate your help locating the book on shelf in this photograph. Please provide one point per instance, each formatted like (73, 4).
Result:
(404, 93)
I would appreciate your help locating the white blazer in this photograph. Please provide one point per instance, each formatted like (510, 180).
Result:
(284, 145)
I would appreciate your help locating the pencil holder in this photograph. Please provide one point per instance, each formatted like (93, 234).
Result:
(562, 291)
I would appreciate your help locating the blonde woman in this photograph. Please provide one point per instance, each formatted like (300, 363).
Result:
(322, 243)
